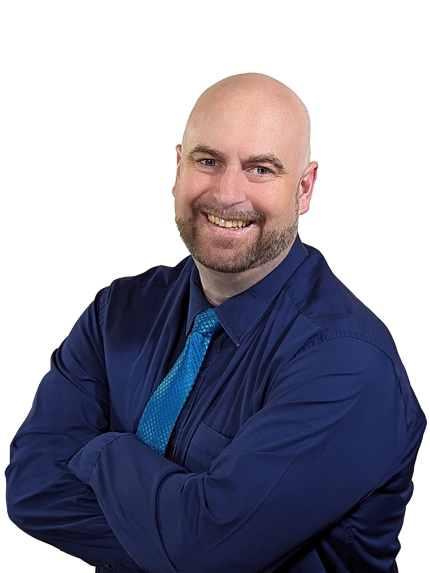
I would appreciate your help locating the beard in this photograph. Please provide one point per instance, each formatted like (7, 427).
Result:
(237, 258)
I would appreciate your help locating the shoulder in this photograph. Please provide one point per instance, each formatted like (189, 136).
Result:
(332, 308)
(160, 276)
(128, 299)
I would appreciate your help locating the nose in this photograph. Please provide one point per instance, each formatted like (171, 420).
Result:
(231, 187)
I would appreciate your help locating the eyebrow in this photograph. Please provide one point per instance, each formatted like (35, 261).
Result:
(263, 158)
(267, 158)
(206, 150)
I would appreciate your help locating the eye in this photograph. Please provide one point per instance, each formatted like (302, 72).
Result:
(208, 162)
(259, 170)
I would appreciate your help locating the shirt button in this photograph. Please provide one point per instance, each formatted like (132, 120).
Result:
(173, 434)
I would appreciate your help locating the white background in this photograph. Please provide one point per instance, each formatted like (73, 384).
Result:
(94, 97)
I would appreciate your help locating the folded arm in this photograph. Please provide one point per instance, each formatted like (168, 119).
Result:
(324, 440)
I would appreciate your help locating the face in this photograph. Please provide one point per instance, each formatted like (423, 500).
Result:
(241, 184)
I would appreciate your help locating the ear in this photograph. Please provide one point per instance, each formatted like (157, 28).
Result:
(307, 186)
(178, 165)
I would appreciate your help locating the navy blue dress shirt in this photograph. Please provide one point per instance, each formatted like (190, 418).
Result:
(294, 451)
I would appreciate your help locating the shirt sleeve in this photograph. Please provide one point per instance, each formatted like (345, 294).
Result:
(71, 407)
(328, 435)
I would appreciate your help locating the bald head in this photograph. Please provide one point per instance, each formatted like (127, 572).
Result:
(243, 176)
(259, 97)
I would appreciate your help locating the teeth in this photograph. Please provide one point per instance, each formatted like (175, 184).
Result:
(223, 223)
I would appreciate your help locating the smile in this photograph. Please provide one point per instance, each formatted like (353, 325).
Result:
(233, 223)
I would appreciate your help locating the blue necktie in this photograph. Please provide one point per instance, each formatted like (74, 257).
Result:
(165, 404)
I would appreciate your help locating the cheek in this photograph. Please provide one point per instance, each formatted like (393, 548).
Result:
(183, 196)
(190, 187)
(279, 207)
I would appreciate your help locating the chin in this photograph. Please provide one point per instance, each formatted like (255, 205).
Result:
(225, 255)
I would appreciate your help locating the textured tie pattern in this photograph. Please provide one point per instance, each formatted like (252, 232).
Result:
(109, 570)
(164, 406)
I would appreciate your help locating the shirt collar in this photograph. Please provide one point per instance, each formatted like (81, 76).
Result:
(240, 314)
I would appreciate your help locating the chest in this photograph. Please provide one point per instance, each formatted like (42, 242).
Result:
(231, 386)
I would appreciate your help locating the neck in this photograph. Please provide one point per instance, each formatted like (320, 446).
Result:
(219, 287)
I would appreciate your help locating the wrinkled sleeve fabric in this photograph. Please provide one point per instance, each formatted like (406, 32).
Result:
(329, 434)
(70, 409)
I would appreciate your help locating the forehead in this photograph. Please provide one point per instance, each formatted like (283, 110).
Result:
(247, 123)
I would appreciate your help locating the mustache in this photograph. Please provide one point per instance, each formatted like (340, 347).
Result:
(257, 217)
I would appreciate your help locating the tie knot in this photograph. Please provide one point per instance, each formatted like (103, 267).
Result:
(206, 322)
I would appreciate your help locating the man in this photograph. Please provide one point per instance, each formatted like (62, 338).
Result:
(292, 430)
